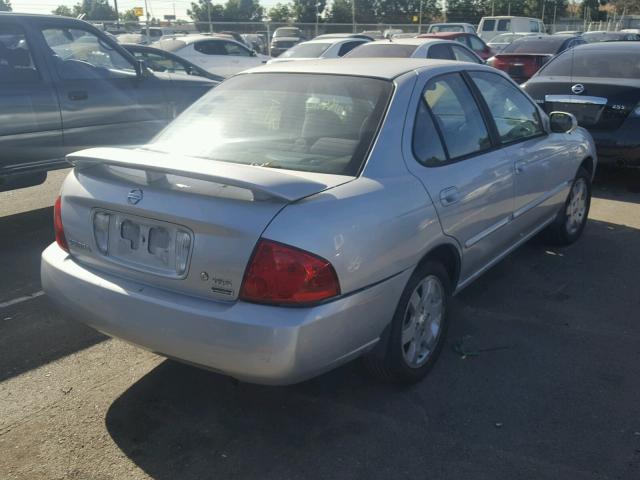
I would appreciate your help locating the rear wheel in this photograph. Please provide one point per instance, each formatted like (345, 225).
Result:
(418, 328)
(572, 219)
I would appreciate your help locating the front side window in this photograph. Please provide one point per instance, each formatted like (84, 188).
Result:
(488, 25)
(306, 50)
(457, 115)
(463, 55)
(515, 116)
(16, 62)
(316, 123)
(158, 63)
(210, 47)
(81, 54)
(237, 50)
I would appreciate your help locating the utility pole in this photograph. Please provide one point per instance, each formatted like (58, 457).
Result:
(209, 15)
(115, 6)
(317, 17)
(543, 5)
(555, 10)
(146, 9)
(420, 19)
(493, 7)
(353, 14)
(444, 10)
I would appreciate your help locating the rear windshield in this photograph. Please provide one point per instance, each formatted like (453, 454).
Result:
(382, 50)
(446, 28)
(287, 32)
(535, 45)
(306, 50)
(306, 122)
(594, 63)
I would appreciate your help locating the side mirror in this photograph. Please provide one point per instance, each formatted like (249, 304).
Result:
(562, 122)
(141, 68)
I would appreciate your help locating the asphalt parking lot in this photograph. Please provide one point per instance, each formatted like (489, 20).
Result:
(539, 379)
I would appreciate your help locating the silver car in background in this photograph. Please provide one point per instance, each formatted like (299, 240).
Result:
(307, 213)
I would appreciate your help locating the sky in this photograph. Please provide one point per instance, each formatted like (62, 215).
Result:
(157, 8)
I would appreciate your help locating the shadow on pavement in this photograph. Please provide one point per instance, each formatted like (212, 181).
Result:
(617, 183)
(32, 333)
(549, 390)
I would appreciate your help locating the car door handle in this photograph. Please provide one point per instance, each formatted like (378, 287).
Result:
(449, 196)
(520, 166)
(78, 95)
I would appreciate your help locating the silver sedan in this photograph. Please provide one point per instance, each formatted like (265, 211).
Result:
(304, 214)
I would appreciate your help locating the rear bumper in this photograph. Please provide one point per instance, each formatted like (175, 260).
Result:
(620, 146)
(255, 343)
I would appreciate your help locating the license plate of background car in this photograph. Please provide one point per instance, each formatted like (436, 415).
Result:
(144, 244)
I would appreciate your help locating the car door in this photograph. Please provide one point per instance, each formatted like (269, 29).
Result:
(241, 57)
(211, 55)
(103, 100)
(470, 183)
(542, 170)
(30, 126)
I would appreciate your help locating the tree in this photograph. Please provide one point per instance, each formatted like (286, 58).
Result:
(243, 11)
(280, 13)
(129, 16)
(203, 10)
(402, 11)
(5, 6)
(305, 10)
(93, 10)
(63, 11)
(340, 12)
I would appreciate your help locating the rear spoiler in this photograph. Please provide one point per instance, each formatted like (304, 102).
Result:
(288, 185)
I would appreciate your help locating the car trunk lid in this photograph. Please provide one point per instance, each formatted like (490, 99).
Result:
(179, 223)
(520, 66)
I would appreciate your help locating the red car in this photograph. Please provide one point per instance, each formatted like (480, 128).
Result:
(472, 41)
(524, 57)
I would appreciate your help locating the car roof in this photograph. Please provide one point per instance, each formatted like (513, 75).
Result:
(445, 34)
(333, 41)
(388, 69)
(612, 46)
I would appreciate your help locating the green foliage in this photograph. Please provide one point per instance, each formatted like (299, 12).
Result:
(5, 6)
(280, 13)
(201, 11)
(305, 10)
(94, 10)
(243, 10)
(340, 12)
(383, 11)
(472, 11)
(129, 16)
(63, 11)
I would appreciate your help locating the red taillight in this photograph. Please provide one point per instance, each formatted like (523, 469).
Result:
(282, 274)
(57, 225)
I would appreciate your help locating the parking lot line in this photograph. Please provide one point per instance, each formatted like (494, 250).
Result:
(31, 296)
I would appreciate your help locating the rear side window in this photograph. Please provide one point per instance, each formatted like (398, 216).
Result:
(457, 116)
(235, 49)
(427, 146)
(489, 25)
(515, 116)
(533, 26)
(476, 44)
(504, 25)
(606, 63)
(16, 63)
(440, 51)
(347, 47)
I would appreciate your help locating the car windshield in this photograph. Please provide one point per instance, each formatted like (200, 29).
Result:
(382, 50)
(287, 32)
(315, 123)
(594, 63)
(306, 50)
(548, 44)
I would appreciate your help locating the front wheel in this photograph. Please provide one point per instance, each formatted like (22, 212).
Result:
(571, 220)
(418, 327)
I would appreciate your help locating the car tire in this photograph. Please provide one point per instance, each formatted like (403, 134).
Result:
(572, 218)
(418, 329)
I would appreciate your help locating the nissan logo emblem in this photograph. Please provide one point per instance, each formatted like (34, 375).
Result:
(134, 196)
(578, 88)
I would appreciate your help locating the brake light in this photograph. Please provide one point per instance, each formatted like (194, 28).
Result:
(57, 225)
(282, 274)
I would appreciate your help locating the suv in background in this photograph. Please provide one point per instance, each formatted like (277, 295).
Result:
(284, 38)
(65, 86)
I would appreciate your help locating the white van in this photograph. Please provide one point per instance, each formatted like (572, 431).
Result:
(489, 27)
